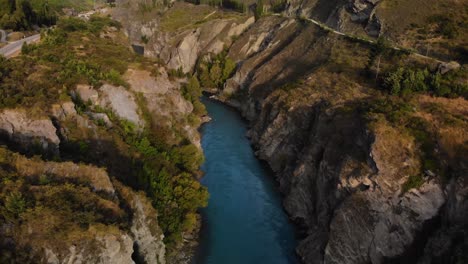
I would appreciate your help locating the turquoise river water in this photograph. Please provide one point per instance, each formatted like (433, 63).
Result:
(244, 222)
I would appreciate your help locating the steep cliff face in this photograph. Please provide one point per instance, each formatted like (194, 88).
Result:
(357, 183)
(148, 237)
(343, 184)
(345, 177)
(183, 33)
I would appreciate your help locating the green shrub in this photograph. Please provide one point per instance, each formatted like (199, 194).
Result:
(407, 81)
(72, 24)
(214, 73)
(259, 9)
(15, 204)
(144, 39)
(115, 78)
(235, 5)
(413, 182)
(176, 73)
(279, 6)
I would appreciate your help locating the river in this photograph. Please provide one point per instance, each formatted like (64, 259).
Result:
(244, 222)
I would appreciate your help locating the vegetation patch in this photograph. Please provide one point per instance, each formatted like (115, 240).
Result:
(403, 116)
(405, 81)
(41, 74)
(214, 72)
(413, 182)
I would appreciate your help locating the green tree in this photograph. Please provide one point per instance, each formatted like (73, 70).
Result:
(380, 49)
(229, 67)
(15, 204)
(420, 78)
(188, 157)
(393, 81)
(216, 74)
(193, 89)
(12, 6)
(259, 8)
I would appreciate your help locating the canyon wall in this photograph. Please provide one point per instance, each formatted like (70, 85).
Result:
(356, 182)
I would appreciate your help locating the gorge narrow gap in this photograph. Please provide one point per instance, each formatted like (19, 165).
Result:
(244, 221)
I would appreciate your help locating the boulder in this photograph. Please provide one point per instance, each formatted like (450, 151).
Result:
(63, 111)
(101, 117)
(122, 102)
(27, 131)
(446, 67)
(144, 229)
(87, 94)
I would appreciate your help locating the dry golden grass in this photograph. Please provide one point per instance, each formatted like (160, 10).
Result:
(97, 178)
(448, 118)
(406, 22)
(183, 16)
(394, 151)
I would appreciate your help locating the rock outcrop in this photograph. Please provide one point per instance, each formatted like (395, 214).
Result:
(122, 103)
(96, 178)
(108, 248)
(27, 131)
(182, 48)
(164, 100)
(211, 38)
(147, 235)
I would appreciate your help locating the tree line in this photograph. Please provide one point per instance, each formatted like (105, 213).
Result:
(21, 15)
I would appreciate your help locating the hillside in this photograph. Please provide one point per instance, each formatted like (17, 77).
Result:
(90, 165)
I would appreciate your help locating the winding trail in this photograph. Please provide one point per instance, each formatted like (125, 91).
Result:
(13, 48)
(369, 41)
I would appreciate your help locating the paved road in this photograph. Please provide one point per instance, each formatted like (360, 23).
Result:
(3, 35)
(14, 47)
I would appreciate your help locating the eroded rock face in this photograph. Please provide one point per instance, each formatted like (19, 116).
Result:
(164, 99)
(115, 98)
(212, 37)
(181, 49)
(122, 102)
(109, 248)
(63, 111)
(28, 132)
(147, 235)
(87, 94)
(342, 188)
